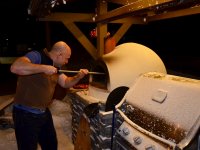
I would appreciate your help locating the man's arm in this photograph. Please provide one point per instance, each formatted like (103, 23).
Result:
(67, 82)
(23, 66)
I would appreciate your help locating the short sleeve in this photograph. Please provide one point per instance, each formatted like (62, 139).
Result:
(34, 57)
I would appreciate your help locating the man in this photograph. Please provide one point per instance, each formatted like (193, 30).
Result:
(38, 76)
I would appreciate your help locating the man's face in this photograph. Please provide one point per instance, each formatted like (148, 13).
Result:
(63, 57)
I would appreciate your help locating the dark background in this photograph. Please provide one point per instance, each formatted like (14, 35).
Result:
(174, 40)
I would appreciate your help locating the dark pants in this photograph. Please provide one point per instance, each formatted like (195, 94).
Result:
(31, 129)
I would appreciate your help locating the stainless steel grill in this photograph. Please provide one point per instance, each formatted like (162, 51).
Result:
(161, 112)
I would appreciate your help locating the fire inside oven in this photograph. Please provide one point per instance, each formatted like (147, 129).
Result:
(100, 80)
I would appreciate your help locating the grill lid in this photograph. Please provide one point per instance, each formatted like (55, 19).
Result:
(165, 105)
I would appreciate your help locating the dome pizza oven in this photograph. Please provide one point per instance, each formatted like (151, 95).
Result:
(121, 67)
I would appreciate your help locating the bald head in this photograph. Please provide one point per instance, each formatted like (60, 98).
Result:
(60, 53)
(60, 47)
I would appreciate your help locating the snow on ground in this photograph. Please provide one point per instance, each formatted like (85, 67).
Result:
(61, 112)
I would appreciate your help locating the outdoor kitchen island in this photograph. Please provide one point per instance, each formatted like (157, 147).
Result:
(91, 108)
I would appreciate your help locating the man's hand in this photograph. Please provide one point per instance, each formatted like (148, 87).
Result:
(67, 82)
(49, 69)
(82, 73)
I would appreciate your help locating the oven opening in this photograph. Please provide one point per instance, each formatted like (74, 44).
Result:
(100, 80)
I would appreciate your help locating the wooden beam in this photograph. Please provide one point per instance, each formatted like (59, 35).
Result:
(126, 24)
(68, 20)
(176, 13)
(122, 2)
(87, 18)
(101, 28)
(121, 31)
(79, 35)
(129, 9)
(134, 20)
(69, 17)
